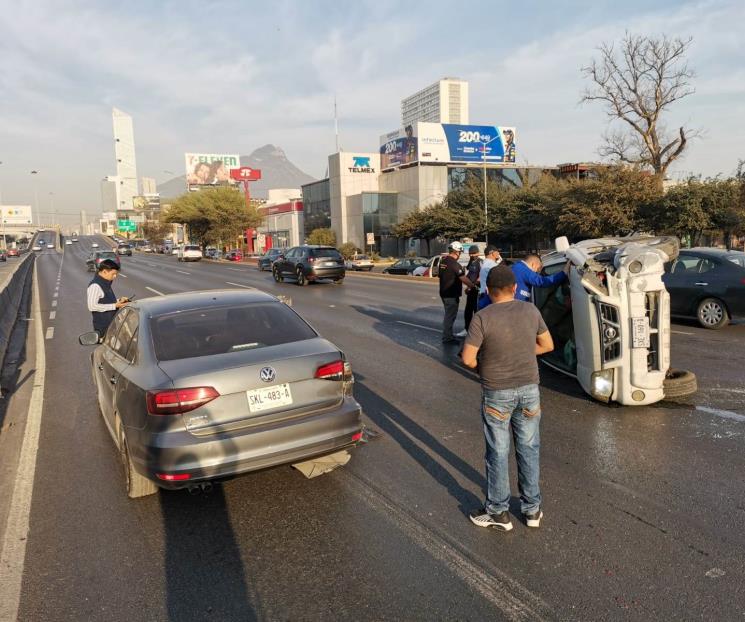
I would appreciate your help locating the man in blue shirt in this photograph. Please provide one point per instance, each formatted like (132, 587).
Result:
(527, 275)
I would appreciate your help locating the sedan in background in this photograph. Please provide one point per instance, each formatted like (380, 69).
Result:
(96, 257)
(234, 255)
(267, 259)
(212, 253)
(75, 239)
(707, 284)
(190, 252)
(14, 252)
(360, 262)
(94, 245)
(406, 266)
(36, 247)
(124, 249)
(208, 385)
(309, 263)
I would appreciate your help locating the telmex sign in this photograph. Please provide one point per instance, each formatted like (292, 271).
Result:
(361, 164)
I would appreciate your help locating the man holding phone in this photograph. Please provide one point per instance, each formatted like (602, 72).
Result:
(102, 302)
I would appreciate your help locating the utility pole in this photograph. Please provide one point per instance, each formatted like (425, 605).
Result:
(36, 199)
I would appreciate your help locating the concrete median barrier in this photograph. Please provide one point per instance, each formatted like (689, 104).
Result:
(12, 285)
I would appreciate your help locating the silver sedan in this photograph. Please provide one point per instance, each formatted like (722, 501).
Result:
(207, 385)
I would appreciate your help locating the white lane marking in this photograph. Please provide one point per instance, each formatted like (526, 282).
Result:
(514, 600)
(434, 330)
(124, 276)
(725, 414)
(50, 332)
(239, 285)
(54, 303)
(681, 332)
(182, 272)
(427, 345)
(13, 554)
(236, 269)
(155, 291)
(56, 289)
(56, 294)
(52, 315)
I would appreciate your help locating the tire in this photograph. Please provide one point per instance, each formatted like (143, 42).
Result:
(277, 275)
(339, 281)
(712, 313)
(136, 485)
(300, 276)
(679, 383)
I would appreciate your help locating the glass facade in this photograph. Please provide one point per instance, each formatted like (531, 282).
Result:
(379, 212)
(317, 206)
(509, 177)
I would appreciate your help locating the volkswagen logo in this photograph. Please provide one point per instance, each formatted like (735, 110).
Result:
(267, 374)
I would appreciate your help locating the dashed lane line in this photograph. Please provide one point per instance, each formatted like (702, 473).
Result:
(239, 285)
(13, 552)
(182, 272)
(155, 291)
(54, 303)
(124, 276)
(434, 330)
(724, 414)
(52, 315)
(50, 332)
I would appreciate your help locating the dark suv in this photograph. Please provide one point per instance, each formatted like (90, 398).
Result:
(266, 260)
(309, 263)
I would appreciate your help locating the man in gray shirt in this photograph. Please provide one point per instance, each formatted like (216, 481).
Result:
(508, 335)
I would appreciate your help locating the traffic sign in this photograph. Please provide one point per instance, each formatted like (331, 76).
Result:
(245, 173)
(370, 239)
(126, 225)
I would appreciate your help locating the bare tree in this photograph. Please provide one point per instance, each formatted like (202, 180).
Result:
(638, 82)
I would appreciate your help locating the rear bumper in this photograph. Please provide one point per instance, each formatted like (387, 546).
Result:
(242, 451)
(327, 273)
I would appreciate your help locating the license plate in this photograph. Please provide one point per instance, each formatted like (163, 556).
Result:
(640, 332)
(328, 263)
(269, 397)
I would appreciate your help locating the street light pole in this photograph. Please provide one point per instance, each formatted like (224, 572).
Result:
(36, 200)
(484, 143)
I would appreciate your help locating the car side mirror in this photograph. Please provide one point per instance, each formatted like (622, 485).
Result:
(562, 244)
(89, 339)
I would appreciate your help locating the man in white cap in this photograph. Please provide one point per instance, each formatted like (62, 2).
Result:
(452, 278)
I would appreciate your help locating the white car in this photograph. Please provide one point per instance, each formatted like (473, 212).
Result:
(36, 247)
(610, 321)
(360, 262)
(68, 242)
(94, 245)
(190, 252)
(75, 239)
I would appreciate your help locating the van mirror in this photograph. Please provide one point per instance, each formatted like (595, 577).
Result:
(89, 339)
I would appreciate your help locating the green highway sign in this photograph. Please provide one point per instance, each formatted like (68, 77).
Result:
(126, 225)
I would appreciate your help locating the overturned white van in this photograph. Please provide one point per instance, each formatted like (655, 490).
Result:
(611, 321)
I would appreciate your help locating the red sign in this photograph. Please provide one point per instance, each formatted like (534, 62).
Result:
(245, 173)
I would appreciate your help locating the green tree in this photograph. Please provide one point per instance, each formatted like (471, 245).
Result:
(322, 237)
(347, 250)
(155, 230)
(214, 216)
(723, 202)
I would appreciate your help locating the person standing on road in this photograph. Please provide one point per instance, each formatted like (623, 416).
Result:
(473, 270)
(102, 302)
(492, 259)
(508, 335)
(527, 275)
(452, 278)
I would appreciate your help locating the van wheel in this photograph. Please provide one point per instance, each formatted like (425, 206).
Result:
(679, 383)
(277, 275)
(712, 313)
(136, 485)
(300, 275)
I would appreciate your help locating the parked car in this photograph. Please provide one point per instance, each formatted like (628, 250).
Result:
(189, 252)
(266, 260)
(3, 255)
(309, 263)
(407, 265)
(124, 249)
(96, 257)
(14, 252)
(610, 321)
(359, 262)
(146, 248)
(212, 253)
(207, 385)
(707, 284)
(68, 242)
(75, 239)
(234, 255)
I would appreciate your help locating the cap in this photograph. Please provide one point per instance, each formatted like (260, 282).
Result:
(500, 277)
(473, 250)
(108, 264)
(490, 248)
(455, 246)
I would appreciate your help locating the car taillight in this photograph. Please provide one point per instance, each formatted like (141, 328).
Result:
(311, 259)
(338, 370)
(179, 400)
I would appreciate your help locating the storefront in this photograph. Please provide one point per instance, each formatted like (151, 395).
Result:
(283, 226)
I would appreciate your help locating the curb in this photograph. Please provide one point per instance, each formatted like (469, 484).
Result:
(11, 294)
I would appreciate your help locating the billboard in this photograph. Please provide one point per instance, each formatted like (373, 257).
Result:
(16, 214)
(446, 142)
(204, 169)
(146, 202)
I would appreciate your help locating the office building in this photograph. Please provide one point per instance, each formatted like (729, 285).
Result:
(148, 185)
(445, 101)
(126, 164)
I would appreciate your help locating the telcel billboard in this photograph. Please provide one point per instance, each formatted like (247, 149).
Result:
(204, 169)
(15, 214)
(445, 142)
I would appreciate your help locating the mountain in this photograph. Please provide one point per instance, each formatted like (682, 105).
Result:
(276, 172)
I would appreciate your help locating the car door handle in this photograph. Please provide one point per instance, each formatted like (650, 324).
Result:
(112, 380)
(702, 284)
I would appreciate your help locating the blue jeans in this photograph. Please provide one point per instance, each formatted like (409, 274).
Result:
(517, 411)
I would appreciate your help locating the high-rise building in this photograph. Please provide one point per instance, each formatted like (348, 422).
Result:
(126, 164)
(110, 193)
(148, 185)
(445, 101)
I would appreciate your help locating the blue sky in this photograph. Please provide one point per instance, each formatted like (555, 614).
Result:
(233, 76)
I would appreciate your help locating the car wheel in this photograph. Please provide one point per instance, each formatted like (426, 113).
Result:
(712, 313)
(136, 485)
(300, 276)
(679, 383)
(339, 281)
(277, 275)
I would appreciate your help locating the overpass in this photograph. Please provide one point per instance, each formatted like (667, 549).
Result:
(10, 233)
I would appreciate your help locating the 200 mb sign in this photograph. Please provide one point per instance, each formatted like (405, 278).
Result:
(269, 397)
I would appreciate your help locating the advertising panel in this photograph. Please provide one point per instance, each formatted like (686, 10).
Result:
(445, 142)
(204, 169)
(146, 202)
(16, 214)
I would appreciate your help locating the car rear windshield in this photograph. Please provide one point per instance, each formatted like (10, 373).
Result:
(124, 246)
(106, 255)
(326, 252)
(191, 248)
(220, 330)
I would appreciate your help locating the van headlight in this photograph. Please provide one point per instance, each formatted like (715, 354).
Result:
(601, 385)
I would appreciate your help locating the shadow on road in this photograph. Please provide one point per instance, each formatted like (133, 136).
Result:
(404, 430)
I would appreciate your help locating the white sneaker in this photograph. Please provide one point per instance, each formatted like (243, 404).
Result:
(462, 333)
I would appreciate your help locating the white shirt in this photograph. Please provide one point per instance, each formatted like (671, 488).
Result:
(95, 293)
(485, 267)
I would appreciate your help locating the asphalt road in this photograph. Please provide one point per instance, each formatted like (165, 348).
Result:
(644, 510)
